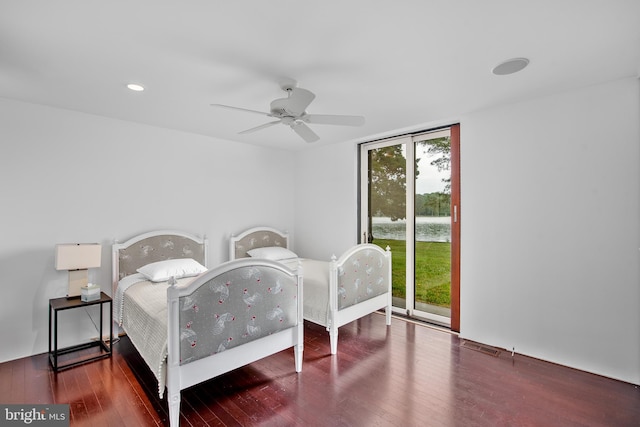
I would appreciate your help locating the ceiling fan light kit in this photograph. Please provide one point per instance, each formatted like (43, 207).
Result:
(291, 111)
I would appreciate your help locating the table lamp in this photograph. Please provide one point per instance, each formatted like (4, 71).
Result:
(77, 258)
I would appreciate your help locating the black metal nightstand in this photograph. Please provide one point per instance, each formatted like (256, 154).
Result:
(64, 303)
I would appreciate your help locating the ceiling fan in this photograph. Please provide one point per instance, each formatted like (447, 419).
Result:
(291, 112)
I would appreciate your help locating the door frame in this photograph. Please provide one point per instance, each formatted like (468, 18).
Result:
(455, 227)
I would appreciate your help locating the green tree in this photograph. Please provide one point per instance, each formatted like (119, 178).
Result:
(440, 148)
(387, 182)
(433, 204)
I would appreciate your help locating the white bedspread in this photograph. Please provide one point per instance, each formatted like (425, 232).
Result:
(123, 285)
(316, 288)
(144, 318)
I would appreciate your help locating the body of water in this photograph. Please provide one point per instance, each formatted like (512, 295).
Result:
(428, 229)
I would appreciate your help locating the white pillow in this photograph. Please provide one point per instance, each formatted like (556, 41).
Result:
(162, 271)
(274, 253)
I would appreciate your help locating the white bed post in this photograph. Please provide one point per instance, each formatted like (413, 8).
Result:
(173, 358)
(332, 327)
(299, 347)
(232, 247)
(387, 309)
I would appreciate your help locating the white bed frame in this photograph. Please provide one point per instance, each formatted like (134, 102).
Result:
(180, 377)
(238, 245)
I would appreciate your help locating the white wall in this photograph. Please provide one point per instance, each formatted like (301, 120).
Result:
(550, 225)
(550, 246)
(326, 201)
(72, 177)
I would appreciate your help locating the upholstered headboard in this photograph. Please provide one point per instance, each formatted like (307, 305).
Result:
(257, 237)
(155, 246)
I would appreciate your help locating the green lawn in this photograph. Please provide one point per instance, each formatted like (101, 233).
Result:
(432, 271)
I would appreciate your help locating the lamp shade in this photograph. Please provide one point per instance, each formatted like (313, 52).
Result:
(78, 256)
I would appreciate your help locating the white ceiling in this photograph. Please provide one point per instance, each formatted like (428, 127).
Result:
(400, 64)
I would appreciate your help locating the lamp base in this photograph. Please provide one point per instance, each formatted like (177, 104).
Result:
(77, 279)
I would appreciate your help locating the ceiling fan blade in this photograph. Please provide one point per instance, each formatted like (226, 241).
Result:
(264, 126)
(299, 100)
(229, 107)
(329, 119)
(304, 131)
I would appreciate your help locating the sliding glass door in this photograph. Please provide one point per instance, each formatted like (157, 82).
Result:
(432, 234)
(386, 205)
(408, 204)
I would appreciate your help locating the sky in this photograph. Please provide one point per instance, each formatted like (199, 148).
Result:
(429, 180)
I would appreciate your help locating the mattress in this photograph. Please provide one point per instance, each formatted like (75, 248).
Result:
(316, 288)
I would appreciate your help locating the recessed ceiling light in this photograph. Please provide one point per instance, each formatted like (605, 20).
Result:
(135, 87)
(510, 66)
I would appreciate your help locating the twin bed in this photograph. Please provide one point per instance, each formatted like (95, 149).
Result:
(191, 323)
(336, 292)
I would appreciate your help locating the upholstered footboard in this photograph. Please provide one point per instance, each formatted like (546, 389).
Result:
(360, 283)
(230, 316)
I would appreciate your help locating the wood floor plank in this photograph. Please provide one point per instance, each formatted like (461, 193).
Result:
(17, 381)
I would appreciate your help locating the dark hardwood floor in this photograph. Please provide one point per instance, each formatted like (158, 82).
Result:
(404, 375)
